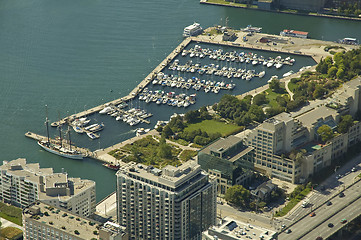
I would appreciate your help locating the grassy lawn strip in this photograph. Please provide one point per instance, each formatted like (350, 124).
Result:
(213, 126)
(181, 142)
(187, 155)
(11, 213)
(195, 145)
(293, 202)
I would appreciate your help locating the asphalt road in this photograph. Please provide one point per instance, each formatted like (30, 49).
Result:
(339, 209)
(331, 187)
(350, 212)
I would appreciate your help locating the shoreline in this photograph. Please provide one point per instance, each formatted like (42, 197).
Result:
(284, 12)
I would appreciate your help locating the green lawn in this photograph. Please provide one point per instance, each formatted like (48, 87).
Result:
(213, 126)
(292, 86)
(271, 97)
(11, 213)
(181, 142)
(187, 155)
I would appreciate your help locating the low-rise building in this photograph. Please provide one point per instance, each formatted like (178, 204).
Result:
(230, 229)
(23, 183)
(42, 222)
(294, 33)
(263, 191)
(229, 161)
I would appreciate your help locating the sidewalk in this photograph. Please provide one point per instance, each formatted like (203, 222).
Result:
(5, 223)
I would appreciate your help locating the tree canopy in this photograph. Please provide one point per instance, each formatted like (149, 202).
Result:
(238, 195)
(325, 132)
(345, 123)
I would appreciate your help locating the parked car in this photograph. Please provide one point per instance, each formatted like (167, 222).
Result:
(330, 225)
(344, 220)
(288, 230)
(341, 194)
(329, 203)
(312, 214)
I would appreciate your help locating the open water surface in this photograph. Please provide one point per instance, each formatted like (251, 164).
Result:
(73, 55)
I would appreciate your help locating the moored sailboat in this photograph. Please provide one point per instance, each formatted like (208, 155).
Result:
(58, 148)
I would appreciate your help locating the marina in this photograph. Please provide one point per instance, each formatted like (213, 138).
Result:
(198, 66)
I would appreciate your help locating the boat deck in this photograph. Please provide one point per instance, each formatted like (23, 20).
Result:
(38, 137)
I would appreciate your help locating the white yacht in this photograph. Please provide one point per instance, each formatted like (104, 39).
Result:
(192, 30)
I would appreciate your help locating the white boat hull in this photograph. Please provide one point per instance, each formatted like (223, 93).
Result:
(66, 155)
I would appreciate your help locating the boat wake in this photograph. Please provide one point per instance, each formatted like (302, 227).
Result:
(126, 133)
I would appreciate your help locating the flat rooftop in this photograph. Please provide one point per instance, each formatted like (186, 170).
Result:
(170, 176)
(62, 220)
(308, 119)
(232, 229)
(223, 143)
(33, 173)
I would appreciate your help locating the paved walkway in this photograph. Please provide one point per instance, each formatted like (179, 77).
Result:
(5, 223)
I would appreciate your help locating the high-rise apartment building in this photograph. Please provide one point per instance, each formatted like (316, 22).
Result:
(22, 183)
(173, 203)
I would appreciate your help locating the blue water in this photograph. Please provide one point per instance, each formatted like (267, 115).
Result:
(69, 55)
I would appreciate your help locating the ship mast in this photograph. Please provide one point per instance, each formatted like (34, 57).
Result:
(47, 125)
(69, 137)
(59, 127)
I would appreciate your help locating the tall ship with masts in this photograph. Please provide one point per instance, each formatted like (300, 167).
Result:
(59, 147)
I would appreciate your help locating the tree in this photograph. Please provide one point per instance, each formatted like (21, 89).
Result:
(340, 73)
(319, 91)
(165, 151)
(331, 73)
(345, 123)
(275, 85)
(272, 111)
(167, 132)
(325, 132)
(259, 99)
(238, 195)
(192, 116)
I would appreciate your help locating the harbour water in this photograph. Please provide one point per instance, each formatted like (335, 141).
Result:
(73, 55)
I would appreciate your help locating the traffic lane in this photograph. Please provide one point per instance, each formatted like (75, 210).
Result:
(307, 223)
(325, 231)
